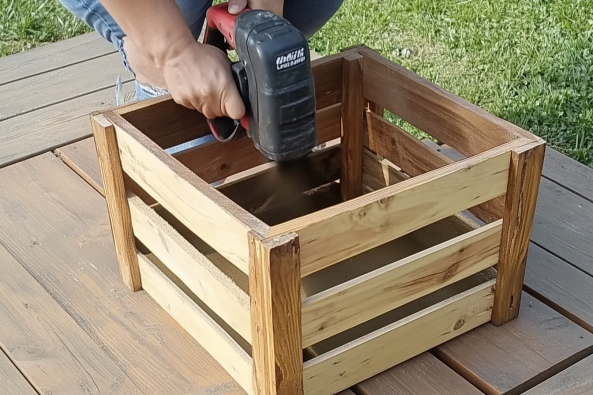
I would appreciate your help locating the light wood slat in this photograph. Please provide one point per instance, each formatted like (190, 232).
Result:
(46, 344)
(11, 380)
(378, 173)
(36, 132)
(60, 85)
(198, 324)
(448, 118)
(368, 296)
(197, 272)
(379, 350)
(53, 56)
(211, 216)
(353, 227)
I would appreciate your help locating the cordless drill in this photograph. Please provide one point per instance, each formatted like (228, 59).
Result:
(273, 77)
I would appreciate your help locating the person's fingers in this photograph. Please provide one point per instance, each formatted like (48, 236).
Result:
(236, 6)
(232, 104)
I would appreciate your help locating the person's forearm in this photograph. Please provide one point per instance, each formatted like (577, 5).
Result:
(157, 27)
(275, 6)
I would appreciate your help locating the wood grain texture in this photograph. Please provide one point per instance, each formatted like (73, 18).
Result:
(562, 225)
(58, 228)
(56, 86)
(275, 292)
(416, 158)
(378, 173)
(352, 303)
(514, 357)
(569, 173)
(117, 203)
(560, 285)
(446, 117)
(421, 375)
(81, 157)
(575, 380)
(381, 349)
(352, 133)
(47, 345)
(520, 204)
(47, 128)
(11, 380)
(53, 56)
(355, 226)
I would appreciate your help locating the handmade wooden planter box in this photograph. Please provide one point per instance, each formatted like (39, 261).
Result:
(311, 280)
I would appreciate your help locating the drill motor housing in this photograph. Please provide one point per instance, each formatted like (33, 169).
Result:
(275, 80)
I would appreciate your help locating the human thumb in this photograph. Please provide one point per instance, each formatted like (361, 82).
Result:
(236, 6)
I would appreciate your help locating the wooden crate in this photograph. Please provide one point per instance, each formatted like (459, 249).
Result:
(383, 250)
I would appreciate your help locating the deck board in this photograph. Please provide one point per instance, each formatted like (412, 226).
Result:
(569, 174)
(12, 381)
(46, 344)
(57, 227)
(53, 56)
(575, 380)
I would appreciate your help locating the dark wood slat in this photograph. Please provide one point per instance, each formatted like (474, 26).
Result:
(560, 285)
(514, 357)
(563, 225)
(422, 375)
(45, 129)
(53, 56)
(576, 380)
(46, 344)
(56, 86)
(11, 380)
(57, 227)
(569, 173)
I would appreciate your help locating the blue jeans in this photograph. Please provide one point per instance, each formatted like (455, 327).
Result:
(307, 15)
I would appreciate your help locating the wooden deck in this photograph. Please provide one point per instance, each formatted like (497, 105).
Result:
(69, 326)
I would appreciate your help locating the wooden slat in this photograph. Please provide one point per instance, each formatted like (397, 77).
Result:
(81, 157)
(57, 227)
(562, 225)
(11, 380)
(514, 357)
(560, 285)
(378, 173)
(46, 344)
(415, 158)
(368, 296)
(197, 272)
(352, 134)
(422, 375)
(275, 293)
(45, 129)
(569, 173)
(211, 216)
(575, 380)
(430, 108)
(60, 85)
(358, 225)
(198, 324)
(377, 351)
(520, 203)
(53, 56)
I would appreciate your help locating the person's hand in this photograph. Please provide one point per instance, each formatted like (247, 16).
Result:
(274, 6)
(199, 77)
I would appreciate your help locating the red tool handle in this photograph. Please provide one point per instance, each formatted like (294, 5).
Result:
(219, 18)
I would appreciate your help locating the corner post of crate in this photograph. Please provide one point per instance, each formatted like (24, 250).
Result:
(523, 186)
(116, 199)
(275, 294)
(353, 107)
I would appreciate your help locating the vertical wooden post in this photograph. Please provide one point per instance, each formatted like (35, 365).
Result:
(117, 203)
(523, 187)
(352, 127)
(275, 293)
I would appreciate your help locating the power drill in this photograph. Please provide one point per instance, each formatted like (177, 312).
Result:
(273, 77)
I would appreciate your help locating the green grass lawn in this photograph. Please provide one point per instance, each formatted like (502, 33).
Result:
(529, 62)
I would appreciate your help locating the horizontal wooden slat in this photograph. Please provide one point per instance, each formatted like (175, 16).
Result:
(430, 108)
(397, 342)
(415, 158)
(215, 161)
(210, 215)
(198, 273)
(368, 296)
(198, 324)
(358, 225)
